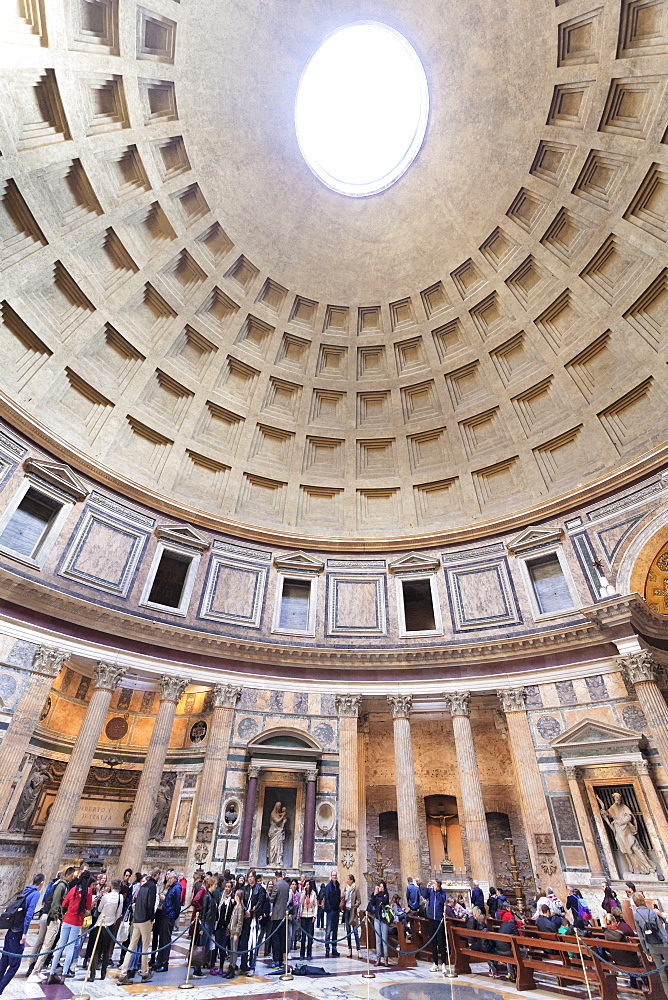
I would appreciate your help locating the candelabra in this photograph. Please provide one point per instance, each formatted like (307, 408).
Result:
(515, 881)
(379, 869)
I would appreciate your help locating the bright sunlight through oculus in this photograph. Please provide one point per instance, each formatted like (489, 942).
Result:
(362, 108)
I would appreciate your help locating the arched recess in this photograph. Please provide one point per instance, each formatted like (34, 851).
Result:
(641, 554)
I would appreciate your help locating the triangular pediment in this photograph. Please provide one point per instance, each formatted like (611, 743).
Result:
(413, 562)
(185, 534)
(592, 737)
(58, 476)
(533, 537)
(299, 560)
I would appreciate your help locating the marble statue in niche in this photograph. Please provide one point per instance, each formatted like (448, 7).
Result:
(624, 829)
(29, 796)
(276, 836)
(163, 804)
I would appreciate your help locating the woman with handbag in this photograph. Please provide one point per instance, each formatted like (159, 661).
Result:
(308, 911)
(205, 943)
(350, 903)
(76, 904)
(378, 907)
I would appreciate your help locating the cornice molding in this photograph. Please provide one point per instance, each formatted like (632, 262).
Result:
(26, 424)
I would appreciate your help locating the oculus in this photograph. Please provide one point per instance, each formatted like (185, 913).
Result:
(362, 108)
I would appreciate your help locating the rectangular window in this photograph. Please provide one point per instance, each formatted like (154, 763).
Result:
(418, 606)
(549, 584)
(170, 579)
(295, 605)
(29, 524)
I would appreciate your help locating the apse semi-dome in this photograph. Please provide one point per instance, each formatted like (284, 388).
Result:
(362, 108)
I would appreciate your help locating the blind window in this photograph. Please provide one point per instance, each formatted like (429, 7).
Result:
(549, 584)
(295, 601)
(418, 606)
(29, 523)
(170, 579)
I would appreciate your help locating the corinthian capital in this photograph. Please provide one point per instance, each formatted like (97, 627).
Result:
(225, 696)
(48, 661)
(107, 675)
(400, 705)
(348, 705)
(458, 702)
(172, 688)
(640, 666)
(512, 699)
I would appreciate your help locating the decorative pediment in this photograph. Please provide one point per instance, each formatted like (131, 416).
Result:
(184, 534)
(57, 476)
(414, 562)
(299, 561)
(595, 739)
(534, 538)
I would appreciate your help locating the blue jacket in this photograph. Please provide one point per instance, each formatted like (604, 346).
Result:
(31, 892)
(171, 904)
(413, 896)
(332, 897)
(478, 898)
(435, 902)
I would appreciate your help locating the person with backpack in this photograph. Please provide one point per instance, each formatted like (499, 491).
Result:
(77, 902)
(379, 908)
(52, 908)
(43, 914)
(16, 919)
(169, 914)
(552, 900)
(652, 936)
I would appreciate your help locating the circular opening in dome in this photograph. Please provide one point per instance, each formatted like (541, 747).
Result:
(362, 108)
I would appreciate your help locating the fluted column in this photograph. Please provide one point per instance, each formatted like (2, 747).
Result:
(362, 736)
(407, 811)
(212, 779)
(308, 842)
(46, 665)
(473, 807)
(655, 817)
(642, 671)
(143, 810)
(249, 812)
(63, 811)
(535, 815)
(586, 829)
(348, 707)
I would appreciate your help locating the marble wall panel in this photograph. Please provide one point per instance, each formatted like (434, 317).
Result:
(234, 591)
(104, 554)
(356, 605)
(482, 595)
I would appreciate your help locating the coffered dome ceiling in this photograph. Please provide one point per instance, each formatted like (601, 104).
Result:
(189, 313)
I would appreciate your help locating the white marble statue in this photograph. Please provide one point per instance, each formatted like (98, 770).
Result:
(624, 828)
(276, 836)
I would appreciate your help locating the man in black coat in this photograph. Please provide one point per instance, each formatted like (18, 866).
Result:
(545, 921)
(478, 897)
(332, 907)
(279, 904)
(141, 928)
(254, 897)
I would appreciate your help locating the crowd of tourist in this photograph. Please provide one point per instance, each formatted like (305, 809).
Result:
(233, 919)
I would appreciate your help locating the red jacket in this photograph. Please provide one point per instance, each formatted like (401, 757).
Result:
(71, 901)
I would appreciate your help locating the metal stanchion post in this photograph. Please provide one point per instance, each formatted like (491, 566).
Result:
(448, 971)
(584, 967)
(287, 975)
(188, 985)
(82, 995)
(368, 974)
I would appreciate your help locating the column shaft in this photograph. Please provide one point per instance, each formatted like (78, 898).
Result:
(656, 712)
(361, 814)
(475, 821)
(348, 708)
(308, 842)
(63, 811)
(45, 667)
(535, 815)
(656, 811)
(143, 810)
(212, 778)
(588, 836)
(249, 812)
(407, 812)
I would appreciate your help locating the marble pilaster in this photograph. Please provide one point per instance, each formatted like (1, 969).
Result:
(473, 807)
(586, 829)
(348, 706)
(249, 812)
(407, 811)
(308, 841)
(63, 811)
(45, 667)
(362, 847)
(212, 779)
(143, 810)
(655, 816)
(533, 805)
